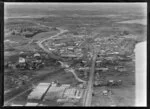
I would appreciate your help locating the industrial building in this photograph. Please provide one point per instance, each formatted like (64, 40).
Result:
(73, 93)
(39, 91)
(55, 92)
(51, 91)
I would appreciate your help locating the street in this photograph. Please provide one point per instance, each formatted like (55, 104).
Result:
(88, 97)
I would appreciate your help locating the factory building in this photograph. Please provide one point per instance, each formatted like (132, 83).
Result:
(55, 92)
(73, 93)
(52, 91)
(39, 91)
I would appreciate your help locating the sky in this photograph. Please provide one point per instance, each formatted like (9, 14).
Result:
(94, 6)
(80, 5)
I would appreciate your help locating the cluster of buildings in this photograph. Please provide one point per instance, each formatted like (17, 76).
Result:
(71, 52)
(29, 61)
(109, 63)
(66, 50)
(110, 45)
(63, 93)
(110, 58)
(98, 81)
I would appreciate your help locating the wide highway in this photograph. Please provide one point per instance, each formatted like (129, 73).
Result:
(88, 97)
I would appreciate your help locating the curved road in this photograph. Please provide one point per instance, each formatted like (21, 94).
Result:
(88, 96)
(46, 50)
(41, 41)
(76, 77)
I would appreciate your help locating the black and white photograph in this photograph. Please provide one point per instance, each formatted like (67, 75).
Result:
(75, 54)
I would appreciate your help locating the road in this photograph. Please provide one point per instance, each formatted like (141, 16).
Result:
(76, 77)
(46, 50)
(41, 41)
(88, 97)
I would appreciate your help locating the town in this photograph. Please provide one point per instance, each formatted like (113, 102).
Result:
(48, 63)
